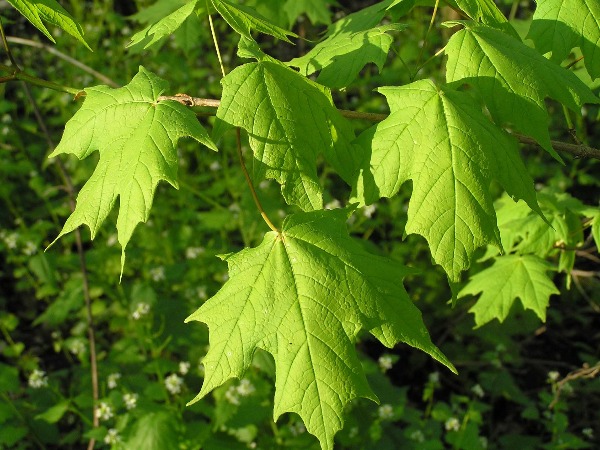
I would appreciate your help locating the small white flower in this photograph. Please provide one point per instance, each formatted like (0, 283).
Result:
(104, 411)
(130, 400)
(214, 166)
(112, 240)
(385, 362)
(11, 240)
(483, 441)
(434, 377)
(113, 380)
(112, 437)
(385, 412)
(173, 383)
(264, 184)
(140, 310)
(77, 347)
(553, 376)
(231, 395)
(193, 252)
(452, 424)
(252, 444)
(245, 388)
(38, 379)
(157, 273)
(202, 293)
(417, 436)
(368, 211)
(30, 248)
(6, 118)
(297, 428)
(478, 391)
(333, 204)
(184, 367)
(588, 433)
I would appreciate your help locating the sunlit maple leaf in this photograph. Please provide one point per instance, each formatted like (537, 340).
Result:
(136, 137)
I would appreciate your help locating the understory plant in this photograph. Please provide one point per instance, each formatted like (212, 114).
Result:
(345, 176)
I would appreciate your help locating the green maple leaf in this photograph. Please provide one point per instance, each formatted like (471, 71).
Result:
(513, 79)
(440, 140)
(510, 277)
(164, 27)
(342, 56)
(485, 11)
(303, 295)
(290, 121)
(244, 19)
(316, 10)
(350, 44)
(136, 138)
(38, 11)
(560, 25)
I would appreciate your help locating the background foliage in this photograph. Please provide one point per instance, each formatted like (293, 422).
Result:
(512, 389)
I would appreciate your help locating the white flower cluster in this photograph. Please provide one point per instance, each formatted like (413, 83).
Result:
(130, 400)
(173, 383)
(553, 376)
(9, 239)
(184, 367)
(193, 252)
(113, 380)
(104, 411)
(112, 437)
(385, 362)
(141, 310)
(385, 412)
(244, 389)
(38, 379)
(157, 273)
(452, 424)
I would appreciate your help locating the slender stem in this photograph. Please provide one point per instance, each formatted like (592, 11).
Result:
(577, 150)
(61, 55)
(18, 75)
(82, 264)
(435, 9)
(572, 63)
(7, 48)
(214, 36)
(513, 10)
(249, 181)
(438, 53)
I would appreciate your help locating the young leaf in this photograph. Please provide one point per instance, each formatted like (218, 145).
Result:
(513, 79)
(560, 25)
(157, 430)
(342, 56)
(440, 140)
(290, 120)
(510, 277)
(316, 10)
(486, 11)
(243, 19)
(164, 27)
(136, 137)
(50, 11)
(303, 295)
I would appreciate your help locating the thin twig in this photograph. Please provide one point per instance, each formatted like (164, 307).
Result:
(70, 60)
(577, 150)
(585, 372)
(78, 240)
(249, 181)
